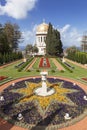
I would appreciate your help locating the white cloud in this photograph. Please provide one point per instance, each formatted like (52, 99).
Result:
(70, 36)
(29, 36)
(65, 29)
(17, 8)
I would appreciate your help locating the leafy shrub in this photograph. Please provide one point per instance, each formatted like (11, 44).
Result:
(53, 71)
(37, 70)
(80, 57)
(25, 64)
(9, 57)
(29, 70)
(62, 71)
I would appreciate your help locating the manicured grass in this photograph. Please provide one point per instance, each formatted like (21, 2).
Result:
(36, 65)
(11, 71)
(66, 67)
(52, 64)
(77, 74)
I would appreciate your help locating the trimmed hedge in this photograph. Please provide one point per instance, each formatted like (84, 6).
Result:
(66, 67)
(80, 57)
(9, 57)
(25, 64)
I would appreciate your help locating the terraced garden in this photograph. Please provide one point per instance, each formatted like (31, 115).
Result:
(21, 106)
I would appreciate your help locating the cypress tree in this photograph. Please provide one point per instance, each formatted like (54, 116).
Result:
(53, 42)
(49, 39)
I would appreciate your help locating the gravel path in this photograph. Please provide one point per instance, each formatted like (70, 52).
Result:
(81, 125)
(58, 65)
(78, 64)
(33, 62)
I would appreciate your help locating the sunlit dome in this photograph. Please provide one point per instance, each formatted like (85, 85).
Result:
(43, 27)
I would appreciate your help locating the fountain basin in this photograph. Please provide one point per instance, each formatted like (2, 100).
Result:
(44, 92)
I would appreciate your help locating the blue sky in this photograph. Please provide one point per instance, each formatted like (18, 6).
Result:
(68, 16)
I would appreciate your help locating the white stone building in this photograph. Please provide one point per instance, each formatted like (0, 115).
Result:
(41, 34)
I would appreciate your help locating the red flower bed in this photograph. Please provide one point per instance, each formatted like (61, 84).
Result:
(44, 62)
(84, 79)
(2, 77)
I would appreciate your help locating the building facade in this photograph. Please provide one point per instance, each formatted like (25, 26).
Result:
(41, 34)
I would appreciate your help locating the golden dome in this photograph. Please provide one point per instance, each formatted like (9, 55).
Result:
(42, 27)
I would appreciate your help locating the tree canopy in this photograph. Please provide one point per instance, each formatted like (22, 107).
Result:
(31, 49)
(9, 37)
(53, 42)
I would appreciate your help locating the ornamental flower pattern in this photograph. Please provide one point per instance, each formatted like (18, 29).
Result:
(47, 65)
(50, 115)
(60, 94)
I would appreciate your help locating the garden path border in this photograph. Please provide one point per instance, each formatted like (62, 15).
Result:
(8, 64)
(58, 65)
(78, 64)
(32, 63)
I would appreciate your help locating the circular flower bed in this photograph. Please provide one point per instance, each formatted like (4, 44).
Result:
(23, 107)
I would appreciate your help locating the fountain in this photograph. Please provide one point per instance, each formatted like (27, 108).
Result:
(44, 62)
(43, 91)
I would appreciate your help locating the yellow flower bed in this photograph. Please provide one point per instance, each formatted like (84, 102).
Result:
(59, 95)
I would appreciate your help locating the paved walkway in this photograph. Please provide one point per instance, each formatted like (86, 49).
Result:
(81, 125)
(78, 64)
(58, 65)
(33, 62)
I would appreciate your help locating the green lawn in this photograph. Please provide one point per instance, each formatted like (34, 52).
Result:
(53, 66)
(11, 71)
(36, 65)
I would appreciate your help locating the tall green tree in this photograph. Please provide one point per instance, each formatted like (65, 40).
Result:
(4, 47)
(13, 35)
(29, 48)
(17, 36)
(49, 39)
(53, 42)
(35, 49)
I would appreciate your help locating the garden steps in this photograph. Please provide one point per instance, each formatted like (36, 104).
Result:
(32, 63)
(57, 64)
(78, 64)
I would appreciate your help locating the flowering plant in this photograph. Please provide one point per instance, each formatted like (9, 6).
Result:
(47, 64)
(68, 98)
(2, 77)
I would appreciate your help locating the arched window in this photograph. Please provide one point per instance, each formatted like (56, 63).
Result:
(41, 39)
